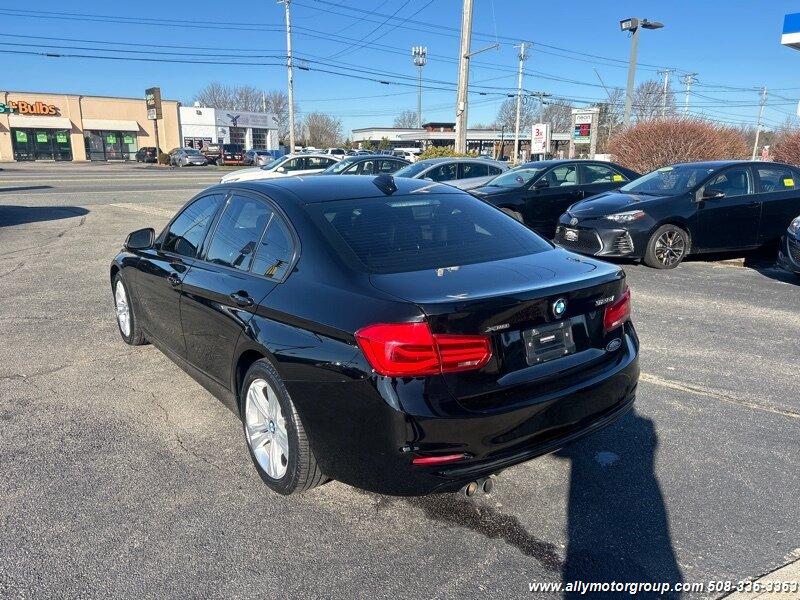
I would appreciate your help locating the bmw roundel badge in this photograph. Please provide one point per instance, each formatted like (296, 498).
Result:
(573, 221)
(559, 308)
(614, 345)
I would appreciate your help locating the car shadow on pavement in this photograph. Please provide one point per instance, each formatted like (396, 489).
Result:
(18, 215)
(617, 522)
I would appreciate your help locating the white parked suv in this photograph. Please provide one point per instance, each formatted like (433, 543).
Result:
(285, 166)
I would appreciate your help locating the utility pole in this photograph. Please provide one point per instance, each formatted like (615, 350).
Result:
(758, 124)
(420, 55)
(290, 71)
(665, 73)
(463, 78)
(541, 96)
(522, 58)
(688, 80)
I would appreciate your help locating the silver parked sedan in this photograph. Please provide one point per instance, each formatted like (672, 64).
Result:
(464, 173)
(188, 156)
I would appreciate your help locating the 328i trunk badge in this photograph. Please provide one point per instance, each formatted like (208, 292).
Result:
(559, 307)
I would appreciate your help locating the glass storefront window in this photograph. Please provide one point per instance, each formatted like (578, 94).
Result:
(41, 144)
(260, 137)
(110, 145)
(238, 135)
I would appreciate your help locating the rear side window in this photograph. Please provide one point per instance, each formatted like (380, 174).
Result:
(188, 230)
(274, 251)
(776, 179)
(474, 170)
(411, 233)
(238, 232)
(601, 174)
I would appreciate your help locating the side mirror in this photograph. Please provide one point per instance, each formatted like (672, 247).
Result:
(141, 239)
(712, 195)
(540, 183)
(281, 170)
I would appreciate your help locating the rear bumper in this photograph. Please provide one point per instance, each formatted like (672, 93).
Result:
(789, 254)
(362, 436)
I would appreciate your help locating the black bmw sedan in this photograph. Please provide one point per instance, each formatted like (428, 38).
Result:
(398, 335)
(538, 193)
(683, 209)
(789, 253)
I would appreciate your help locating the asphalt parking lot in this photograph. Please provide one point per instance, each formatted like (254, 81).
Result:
(123, 477)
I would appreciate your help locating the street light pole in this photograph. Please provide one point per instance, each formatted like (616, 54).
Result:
(420, 55)
(463, 78)
(290, 72)
(522, 58)
(633, 25)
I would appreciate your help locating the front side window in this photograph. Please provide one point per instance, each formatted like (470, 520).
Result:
(776, 179)
(445, 172)
(188, 230)
(563, 176)
(274, 251)
(732, 183)
(389, 166)
(294, 164)
(238, 232)
(367, 167)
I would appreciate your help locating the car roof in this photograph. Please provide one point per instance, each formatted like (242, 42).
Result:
(442, 159)
(362, 157)
(717, 164)
(329, 188)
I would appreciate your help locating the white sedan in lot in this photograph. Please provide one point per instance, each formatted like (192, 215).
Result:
(285, 166)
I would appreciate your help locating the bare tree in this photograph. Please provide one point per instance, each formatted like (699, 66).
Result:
(559, 114)
(406, 120)
(610, 117)
(648, 101)
(277, 102)
(216, 95)
(507, 115)
(322, 130)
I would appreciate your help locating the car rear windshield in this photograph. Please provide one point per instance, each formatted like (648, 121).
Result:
(668, 181)
(408, 233)
(412, 170)
(516, 178)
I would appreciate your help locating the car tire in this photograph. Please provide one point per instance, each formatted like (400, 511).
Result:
(127, 323)
(514, 214)
(275, 436)
(667, 247)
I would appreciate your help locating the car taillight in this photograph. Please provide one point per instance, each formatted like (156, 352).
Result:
(411, 350)
(618, 312)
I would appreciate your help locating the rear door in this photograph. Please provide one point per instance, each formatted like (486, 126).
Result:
(247, 256)
(543, 206)
(596, 178)
(779, 191)
(730, 222)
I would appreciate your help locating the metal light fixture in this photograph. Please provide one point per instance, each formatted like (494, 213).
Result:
(633, 25)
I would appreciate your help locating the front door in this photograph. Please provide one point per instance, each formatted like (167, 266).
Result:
(779, 191)
(730, 222)
(159, 280)
(22, 141)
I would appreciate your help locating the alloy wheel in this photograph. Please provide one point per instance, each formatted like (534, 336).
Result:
(266, 429)
(123, 309)
(670, 247)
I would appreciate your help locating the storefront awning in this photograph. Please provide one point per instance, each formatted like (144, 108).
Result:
(21, 121)
(110, 125)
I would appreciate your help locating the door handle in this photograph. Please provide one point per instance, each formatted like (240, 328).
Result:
(754, 203)
(577, 193)
(174, 279)
(242, 298)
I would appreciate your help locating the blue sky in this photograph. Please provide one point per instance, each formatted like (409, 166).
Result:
(734, 46)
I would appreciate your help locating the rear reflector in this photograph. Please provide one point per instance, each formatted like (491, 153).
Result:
(437, 460)
(619, 312)
(411, 350)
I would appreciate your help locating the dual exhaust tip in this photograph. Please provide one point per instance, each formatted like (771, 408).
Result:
(484, 484)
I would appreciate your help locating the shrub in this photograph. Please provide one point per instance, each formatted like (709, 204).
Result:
(654, 144)
(439, 152)
(787, 148)
(163, 158)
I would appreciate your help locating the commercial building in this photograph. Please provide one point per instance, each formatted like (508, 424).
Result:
(443, 134)
(201, 126)
(37, 126)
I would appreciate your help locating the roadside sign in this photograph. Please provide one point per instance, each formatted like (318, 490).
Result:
(540, 139)
(152, 97)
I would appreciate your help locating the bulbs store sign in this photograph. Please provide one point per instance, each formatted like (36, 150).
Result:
(28, 108)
